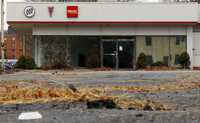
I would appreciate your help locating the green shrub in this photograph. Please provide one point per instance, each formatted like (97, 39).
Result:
(25, 63)
(158, 63)
(141, 61)
(184, 60)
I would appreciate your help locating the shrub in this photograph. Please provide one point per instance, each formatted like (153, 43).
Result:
(184, 60)
(141, 61)
(25, 63)
(158, 63)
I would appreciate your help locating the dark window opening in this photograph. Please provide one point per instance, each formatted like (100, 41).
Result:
(148, 40)
(180, 39)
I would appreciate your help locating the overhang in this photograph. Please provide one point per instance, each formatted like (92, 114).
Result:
(104, 13)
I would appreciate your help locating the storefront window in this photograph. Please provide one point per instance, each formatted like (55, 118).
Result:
(148, 40)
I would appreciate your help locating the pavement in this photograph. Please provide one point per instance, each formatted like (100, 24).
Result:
(105, 116)
(186, 104)
(90, 76)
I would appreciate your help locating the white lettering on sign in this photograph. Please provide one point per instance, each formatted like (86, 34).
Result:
(29, 11)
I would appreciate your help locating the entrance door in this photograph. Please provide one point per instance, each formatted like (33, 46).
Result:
(118, 53)
(109, 54)
(125, 54)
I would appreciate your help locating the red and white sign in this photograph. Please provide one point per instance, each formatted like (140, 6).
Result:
(50, 9)
(72, 11)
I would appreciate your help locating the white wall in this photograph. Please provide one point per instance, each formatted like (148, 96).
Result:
(196, 49)
(108, 30)
(190, 45)
(107, 12)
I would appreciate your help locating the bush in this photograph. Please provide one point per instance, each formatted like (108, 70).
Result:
(141, 61)
(25, 63)
(184, 60)
(158, 63)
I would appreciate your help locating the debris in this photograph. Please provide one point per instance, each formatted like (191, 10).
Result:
(178, 86)
(72, 87)
(30, 116)
(99, 104)
(139, 115)
(147, 107)
(95, 97)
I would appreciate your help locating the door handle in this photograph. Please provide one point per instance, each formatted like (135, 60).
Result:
(115, 52)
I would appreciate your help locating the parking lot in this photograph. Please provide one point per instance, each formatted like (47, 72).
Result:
(177, 90)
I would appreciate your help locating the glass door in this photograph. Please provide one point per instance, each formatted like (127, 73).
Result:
(118, 53)
(109, 54)
(125, 54)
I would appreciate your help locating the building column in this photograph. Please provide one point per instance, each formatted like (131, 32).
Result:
(24, 43)
(37, 50)
(101, 53)
(190, 45)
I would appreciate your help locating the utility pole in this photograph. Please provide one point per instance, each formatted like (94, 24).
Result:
(2, 34)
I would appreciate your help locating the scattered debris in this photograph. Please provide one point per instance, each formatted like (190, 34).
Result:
(95, 97)
(139, 115)
(30, 116)
(178, 86)
(148, 107)
(33, 91)
(100, 104)
(72, 87)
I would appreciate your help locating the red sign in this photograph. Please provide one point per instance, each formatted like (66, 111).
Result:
(50, 9)
(72, 11)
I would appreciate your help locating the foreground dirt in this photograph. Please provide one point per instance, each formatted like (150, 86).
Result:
(157, 91)
(42, 92)
(20, 92)
(64, 96)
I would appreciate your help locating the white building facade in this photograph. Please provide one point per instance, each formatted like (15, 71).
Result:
(113, 34)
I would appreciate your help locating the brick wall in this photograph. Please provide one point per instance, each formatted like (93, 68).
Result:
(13, 46)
